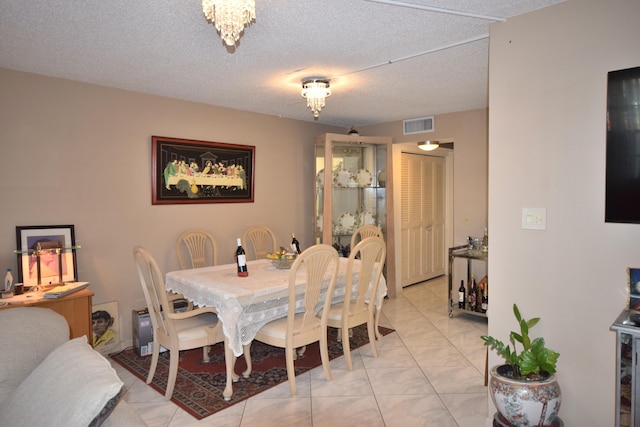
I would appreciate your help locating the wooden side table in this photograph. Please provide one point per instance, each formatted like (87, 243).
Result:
(75, 307)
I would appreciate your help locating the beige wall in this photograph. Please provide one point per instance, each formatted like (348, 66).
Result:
(547, 103)
(468, 131)
(74, 153)
(79, 154)
(466, 174)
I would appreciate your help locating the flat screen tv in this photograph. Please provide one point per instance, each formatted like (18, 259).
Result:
(622, 198)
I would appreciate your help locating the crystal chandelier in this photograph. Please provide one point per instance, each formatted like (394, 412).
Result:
(315, 90)
(229, 17)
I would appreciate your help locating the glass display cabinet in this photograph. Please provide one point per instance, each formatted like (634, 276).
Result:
(353, 187)
(627, 328)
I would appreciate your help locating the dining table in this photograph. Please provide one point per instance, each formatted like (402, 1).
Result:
(245, 304)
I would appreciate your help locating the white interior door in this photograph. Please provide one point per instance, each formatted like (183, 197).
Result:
(422, 217)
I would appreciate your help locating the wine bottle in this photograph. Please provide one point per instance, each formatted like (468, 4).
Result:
(461, 295)
(478, 289)
(485, 298)
(241, 260)
(295, 245)
(485, 241)
(472, 293)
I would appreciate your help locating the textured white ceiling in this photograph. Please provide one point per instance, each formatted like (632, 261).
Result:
(386, 62)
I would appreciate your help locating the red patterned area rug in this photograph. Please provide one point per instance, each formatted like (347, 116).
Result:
(199, 385)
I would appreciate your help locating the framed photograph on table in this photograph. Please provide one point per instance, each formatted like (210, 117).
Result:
(46, 253)
(187, 171)
(633, 288)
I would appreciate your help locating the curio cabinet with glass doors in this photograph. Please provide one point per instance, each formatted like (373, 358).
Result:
(354, 187)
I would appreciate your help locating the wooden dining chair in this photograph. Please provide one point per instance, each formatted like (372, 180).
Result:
(196, 248)
(359, 305)
(360, 234)
(363, 232)
(305, 327)
(174, 331)
(259, 239)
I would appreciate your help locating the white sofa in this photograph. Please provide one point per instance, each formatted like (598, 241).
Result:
(47, 379)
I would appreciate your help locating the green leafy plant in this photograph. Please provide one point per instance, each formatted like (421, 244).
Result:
(534, 359)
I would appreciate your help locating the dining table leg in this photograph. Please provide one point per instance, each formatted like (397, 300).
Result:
(247, 358)
(229, 359)
(230, 363)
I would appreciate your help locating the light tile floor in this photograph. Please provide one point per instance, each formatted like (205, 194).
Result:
(430, 373)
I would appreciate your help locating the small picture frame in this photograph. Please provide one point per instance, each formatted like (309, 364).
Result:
(51, 239)
(633, 287)
(106, 328)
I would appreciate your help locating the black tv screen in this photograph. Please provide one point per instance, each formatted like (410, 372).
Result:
(622, 199)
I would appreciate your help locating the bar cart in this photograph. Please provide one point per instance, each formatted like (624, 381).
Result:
(464, 252)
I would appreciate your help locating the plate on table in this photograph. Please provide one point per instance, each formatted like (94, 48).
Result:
(341, 177)
(346, 222)
(365, 218)
(364, 178)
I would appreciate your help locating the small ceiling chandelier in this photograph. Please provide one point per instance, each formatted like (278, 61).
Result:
(229, 17)
(315, 90)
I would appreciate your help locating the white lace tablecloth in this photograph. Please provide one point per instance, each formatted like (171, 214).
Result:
(245, 304)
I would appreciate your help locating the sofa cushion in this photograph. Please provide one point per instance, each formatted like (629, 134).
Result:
(25, 341)
(71, 387)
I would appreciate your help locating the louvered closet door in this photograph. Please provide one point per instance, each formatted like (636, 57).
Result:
(422, 217)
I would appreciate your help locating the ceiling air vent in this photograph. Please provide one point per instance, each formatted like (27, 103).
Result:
(419, 125)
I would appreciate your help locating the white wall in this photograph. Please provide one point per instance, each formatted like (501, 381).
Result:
(547, 105)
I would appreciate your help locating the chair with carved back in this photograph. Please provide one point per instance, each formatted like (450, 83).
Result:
(305, 327)
(363, 232)
(360, 234)
(175, 331)
(260, 240)
(365, 262)
(196, 248)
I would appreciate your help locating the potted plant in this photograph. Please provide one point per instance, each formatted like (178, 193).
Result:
(524, 389)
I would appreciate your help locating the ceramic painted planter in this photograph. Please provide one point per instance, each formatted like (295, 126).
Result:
(525, 403)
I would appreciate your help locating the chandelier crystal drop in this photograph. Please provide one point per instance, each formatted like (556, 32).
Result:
(315, 90)
(229, 17)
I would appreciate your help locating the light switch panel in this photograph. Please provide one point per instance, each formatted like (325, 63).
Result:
(534, 218)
